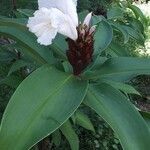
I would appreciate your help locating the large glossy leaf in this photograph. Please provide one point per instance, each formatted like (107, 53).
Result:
(130, 66)
(121, 115)
(70, 135)
(40, 105)
(103, 36)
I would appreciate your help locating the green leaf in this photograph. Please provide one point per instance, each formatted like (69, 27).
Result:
(40, 105)
(59, 47)
(103, 36)
(97, 62)
(67, 67)
(122, 86)
(130, 66)
(15, 22)
(82, 15)
(96, 19)
(134, 34)
(84, 121)
(115, 12)
(117, 50)
(124, 77)
(138, 13)
(121, 29)
(134, 30)
(121, 115)
(27, 41)
(19, 32)
(137, 25)
(70, 135)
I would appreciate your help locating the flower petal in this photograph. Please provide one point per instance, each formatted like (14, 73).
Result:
(68, 7)
(45, 24)
(75, 1)
(92, 29)
(67, 28)
(47, 37)
(87, 19)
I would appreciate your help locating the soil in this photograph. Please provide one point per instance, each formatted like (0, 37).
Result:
(142, 84)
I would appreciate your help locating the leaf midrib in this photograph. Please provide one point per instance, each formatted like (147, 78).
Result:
(38, 111)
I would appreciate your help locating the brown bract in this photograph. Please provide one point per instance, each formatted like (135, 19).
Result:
(80, 51)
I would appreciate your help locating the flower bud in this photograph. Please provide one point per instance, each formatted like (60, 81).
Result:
(80, 51)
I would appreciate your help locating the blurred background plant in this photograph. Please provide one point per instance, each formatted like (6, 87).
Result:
(144, 51)
(103, 138)
(7, 8)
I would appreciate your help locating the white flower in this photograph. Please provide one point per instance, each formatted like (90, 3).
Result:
(44, 25)
(55, 16)
(67, 7)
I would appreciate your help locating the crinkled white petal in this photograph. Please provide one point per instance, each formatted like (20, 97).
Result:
(44, 16)
(87, 19)
(68, 7)
(67, 28)
(47, 37)
(47, 22)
